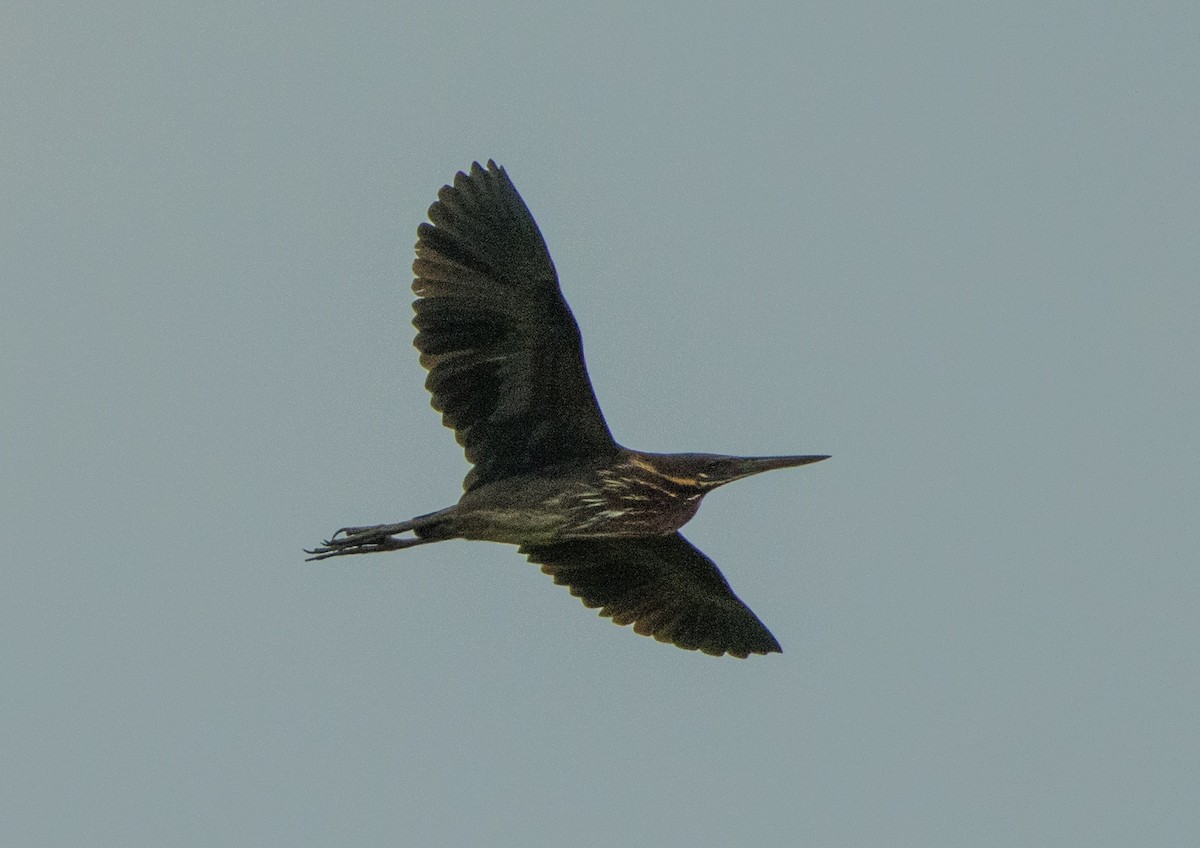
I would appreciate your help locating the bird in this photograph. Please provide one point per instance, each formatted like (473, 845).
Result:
(507, 373)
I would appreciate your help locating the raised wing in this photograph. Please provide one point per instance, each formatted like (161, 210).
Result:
(505, 360)
(663, 586)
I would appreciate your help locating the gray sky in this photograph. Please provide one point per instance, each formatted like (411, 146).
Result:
(954, 245)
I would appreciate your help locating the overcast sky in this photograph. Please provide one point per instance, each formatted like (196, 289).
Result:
(956, 246)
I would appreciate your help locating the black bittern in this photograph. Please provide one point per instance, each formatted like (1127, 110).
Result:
(506, 371)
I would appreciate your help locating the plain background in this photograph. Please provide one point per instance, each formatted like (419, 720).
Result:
(954, 245)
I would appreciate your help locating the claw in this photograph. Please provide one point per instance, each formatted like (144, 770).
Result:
(325, 553)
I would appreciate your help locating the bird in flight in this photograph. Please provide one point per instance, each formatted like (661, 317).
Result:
(507, 373)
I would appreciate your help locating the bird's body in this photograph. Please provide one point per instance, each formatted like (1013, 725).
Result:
(506, 370)
(576, 500)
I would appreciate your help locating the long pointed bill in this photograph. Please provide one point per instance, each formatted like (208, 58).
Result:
(739, 467)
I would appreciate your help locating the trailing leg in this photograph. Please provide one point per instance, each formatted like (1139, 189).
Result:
(381, 537)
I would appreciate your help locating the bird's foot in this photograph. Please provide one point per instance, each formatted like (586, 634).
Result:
(364, 540)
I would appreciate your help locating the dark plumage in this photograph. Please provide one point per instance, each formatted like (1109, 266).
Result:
(506, 370)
